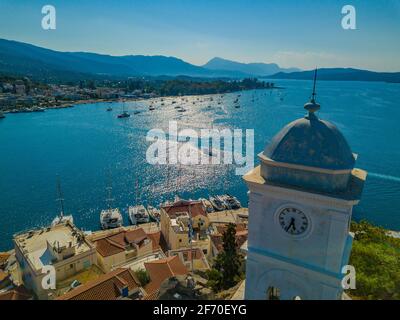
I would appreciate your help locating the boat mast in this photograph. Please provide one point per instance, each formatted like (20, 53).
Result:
(60, 197)
(137, 192)
(191, 236)
(109, 199)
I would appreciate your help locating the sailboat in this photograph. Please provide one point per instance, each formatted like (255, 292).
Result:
(124, 113)
(61, 218)
(110, 218)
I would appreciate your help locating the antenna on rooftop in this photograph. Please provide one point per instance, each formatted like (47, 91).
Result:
(314, 87)
(313, 106)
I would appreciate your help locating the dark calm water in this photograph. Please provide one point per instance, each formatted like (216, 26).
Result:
(86, 144)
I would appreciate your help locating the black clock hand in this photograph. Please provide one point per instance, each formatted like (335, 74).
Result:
(291, 224)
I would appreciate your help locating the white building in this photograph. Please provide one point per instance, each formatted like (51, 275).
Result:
(300, 207)
(63, 246)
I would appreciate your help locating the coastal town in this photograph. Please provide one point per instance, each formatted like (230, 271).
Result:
(21, 94)
(167, 255)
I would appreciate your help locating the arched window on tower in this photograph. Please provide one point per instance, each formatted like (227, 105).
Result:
(273, 293)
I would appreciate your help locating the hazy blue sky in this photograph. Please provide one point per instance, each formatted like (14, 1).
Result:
(291, 33)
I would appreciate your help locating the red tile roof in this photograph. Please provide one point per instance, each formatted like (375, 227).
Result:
(241, 237)
(3, 275)
(18, 293)
(117, 243)
(155, 239)
(4, 257)
(152, 296)
(187, 253)
(161, 270)
(196, 208)
(223, 227)
(106, 287)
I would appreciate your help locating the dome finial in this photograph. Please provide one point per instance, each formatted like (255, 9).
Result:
(313, 106)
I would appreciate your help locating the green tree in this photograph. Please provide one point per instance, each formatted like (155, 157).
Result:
(228, 264)
(142, 276)
(376, 259)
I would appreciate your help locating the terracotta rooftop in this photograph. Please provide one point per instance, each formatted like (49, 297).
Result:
(187, 254)
(152, 296)
(4, 257)
(106, 287)
(117, 243)
(182, 206)
(223, 227)
(161, 270)
(3, 275)
(155, 239)
(18, 293)
(241, 237)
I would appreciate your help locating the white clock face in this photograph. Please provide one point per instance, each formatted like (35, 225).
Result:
(293, 221)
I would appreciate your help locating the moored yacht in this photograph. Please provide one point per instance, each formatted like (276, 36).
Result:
(124, 114)
(207, 204)
(61, 218)
(154, 213)
(231, 202)
(110, 218)
(138, 214)
(217, 203)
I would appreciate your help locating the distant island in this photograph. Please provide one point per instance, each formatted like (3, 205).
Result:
(341, 74)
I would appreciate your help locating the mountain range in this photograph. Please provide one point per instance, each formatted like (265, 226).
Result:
(260, 69)
(37, 62)
(18, 58)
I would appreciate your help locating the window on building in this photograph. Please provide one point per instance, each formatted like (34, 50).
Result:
(273, 293)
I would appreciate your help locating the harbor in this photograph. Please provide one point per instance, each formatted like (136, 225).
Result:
(83, 144)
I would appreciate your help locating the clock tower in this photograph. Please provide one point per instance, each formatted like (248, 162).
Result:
(300, 206)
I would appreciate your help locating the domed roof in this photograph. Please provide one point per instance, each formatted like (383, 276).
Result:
(311, 142)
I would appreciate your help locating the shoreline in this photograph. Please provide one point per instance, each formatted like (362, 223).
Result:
(71, 104)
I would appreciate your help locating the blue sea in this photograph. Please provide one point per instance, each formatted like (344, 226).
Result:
(89, 147)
